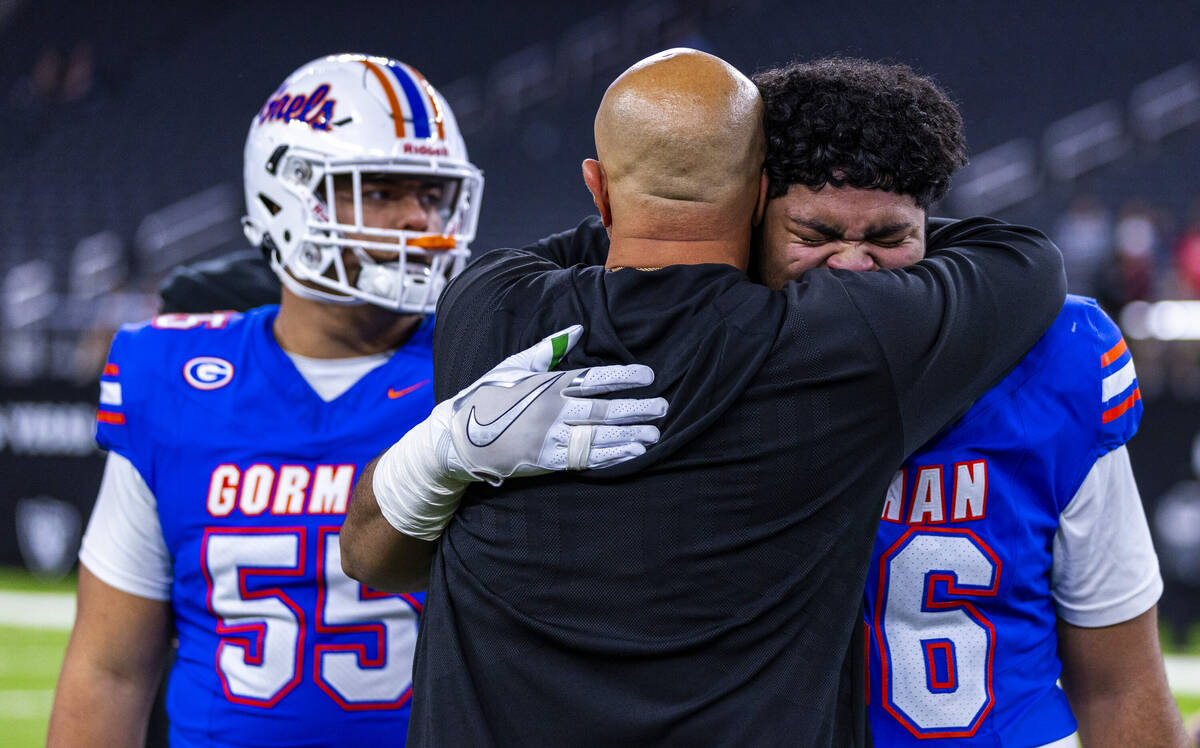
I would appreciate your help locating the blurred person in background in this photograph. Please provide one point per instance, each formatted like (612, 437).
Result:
(234, 439)
(34, 97)
(1085, 236)
(1134, 273)
(55, 84)
(1186, 254)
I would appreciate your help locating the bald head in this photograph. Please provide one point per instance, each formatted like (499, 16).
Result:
(681, 125)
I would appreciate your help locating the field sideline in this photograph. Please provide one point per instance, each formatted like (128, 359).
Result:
(34, 626)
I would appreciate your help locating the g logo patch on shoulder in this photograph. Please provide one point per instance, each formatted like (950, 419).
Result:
(208, 372)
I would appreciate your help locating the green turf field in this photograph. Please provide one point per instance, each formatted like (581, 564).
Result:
(1189, 704)
(30, 659)
(19, 580)
(29, 663)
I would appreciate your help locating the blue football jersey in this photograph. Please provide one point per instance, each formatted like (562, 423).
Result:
(961, 623)
(252, 472)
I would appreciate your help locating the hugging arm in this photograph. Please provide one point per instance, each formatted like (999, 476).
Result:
(952, 325)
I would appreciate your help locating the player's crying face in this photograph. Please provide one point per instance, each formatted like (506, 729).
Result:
(846, 228)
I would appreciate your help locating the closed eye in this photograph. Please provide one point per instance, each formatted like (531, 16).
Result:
(813, 238)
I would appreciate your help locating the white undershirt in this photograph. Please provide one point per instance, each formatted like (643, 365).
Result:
(330, 377)
(124, 545)
(1105, 570)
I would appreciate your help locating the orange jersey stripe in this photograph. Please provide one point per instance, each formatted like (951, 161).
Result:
(1116, 411)
(1113, 353)
(393, 102)
(437, 111)
(107, 416)
(111, 370)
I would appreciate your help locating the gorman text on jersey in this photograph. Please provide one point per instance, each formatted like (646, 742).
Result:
(288, 489)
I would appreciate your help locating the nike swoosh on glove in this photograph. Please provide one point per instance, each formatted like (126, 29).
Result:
(522, 418)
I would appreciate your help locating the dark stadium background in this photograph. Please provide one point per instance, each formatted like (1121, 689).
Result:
(122, 124)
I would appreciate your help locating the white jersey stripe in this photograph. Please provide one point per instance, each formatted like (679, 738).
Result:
(110, 393)
(1119, 381)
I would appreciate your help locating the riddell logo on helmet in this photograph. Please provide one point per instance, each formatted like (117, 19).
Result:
(426, 150)
(313, 109)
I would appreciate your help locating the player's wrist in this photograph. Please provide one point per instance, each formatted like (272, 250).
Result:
(416, 491)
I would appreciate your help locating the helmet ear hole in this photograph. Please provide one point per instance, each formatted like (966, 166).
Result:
(272, 207)
(287, 235)
(273, 161)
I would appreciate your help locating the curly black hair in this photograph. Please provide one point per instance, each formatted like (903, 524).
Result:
(848, 121)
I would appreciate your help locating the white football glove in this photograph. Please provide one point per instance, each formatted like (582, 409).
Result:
(522, 418)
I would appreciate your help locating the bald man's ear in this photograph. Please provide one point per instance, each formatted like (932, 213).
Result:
(597, 182)
(760, 207)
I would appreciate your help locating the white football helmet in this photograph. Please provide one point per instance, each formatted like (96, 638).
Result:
(347, 116)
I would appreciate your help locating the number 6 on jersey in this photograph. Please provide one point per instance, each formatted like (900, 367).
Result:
(935, 645)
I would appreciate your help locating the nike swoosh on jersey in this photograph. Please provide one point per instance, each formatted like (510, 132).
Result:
(483, 434)
(393, 394)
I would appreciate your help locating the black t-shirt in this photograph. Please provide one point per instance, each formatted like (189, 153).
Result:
(706, 592)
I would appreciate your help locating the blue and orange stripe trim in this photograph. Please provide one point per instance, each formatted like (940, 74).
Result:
(1119, 353)
(1122, 407)
(412, 85)
(110, 416)
(1114, 353)
(420, 117)
(438, 116)
(390, 92)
